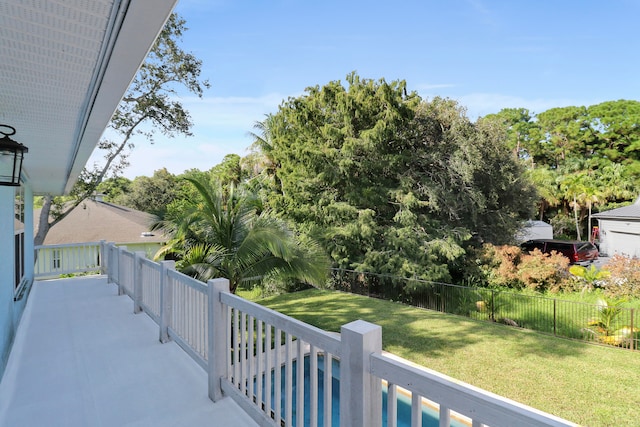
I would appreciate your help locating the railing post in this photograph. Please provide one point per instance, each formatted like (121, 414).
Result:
(555, 316)
(166, 299)
(120, 255)
(217, 339)
(493, 306)
(102, 257)
(137, 281)
(360, 391)
(111, 262)
(633, 334)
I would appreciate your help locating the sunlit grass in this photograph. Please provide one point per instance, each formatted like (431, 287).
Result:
(587, 384)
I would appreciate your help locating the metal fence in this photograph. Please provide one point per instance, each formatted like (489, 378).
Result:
(610, 325)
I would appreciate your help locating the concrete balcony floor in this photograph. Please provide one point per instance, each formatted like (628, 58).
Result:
(82, 358)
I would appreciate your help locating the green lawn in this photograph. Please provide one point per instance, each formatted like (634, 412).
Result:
(587, 384)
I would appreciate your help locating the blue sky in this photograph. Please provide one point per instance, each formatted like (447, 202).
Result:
(486, 54)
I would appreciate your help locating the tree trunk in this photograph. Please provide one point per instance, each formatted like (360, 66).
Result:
(43, 221)
(589, 229)
(575, 214)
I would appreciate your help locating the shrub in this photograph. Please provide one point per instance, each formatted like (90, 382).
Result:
(544, 272)
(508, 266)
(498, 264)
(589, 278)
(624, 280)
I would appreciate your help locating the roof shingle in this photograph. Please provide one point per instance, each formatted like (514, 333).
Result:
(93, 221)
(626, 212)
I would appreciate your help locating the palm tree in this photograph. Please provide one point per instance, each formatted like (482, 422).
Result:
(262, 150)
(229, 235)
(545, 180)
(573, 185)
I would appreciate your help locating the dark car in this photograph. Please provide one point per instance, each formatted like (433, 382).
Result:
(578, 252)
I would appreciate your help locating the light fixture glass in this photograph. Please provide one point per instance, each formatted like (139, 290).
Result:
(11, 155)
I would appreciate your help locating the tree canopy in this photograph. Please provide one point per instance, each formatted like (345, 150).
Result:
(389, 182)
(579, 158)
(151, 194)
(149, 106)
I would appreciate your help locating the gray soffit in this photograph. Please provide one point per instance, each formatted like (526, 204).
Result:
(64, 67)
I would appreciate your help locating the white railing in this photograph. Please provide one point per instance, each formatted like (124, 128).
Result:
(57, 260)
(263, 349)
(149, 283)
(265, 360)
(477, 405)
(126, 271)
(188, 324)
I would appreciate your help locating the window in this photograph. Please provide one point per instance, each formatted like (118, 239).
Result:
(56, 259)
(18, 227)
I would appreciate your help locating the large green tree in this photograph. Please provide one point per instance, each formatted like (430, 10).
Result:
(149, 106)
(228, 234)
(151, 194)
(391, 183)
(592, 153)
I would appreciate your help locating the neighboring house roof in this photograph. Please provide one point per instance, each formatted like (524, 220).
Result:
(631, 212)
(93, 221)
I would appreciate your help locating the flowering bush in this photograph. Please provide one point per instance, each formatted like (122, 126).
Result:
(544, 272)
(624, 278)
(509, 266)
(498, 263)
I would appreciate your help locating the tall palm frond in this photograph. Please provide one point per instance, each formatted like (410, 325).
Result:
(231, 236)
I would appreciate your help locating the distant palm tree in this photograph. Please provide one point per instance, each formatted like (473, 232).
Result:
(231, 236)
(262, 148)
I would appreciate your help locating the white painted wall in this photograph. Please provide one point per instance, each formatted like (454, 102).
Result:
(7, 266)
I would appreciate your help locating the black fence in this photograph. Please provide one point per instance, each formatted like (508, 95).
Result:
(610, 325)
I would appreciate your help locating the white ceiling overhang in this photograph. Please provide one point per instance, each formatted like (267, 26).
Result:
(64, 66)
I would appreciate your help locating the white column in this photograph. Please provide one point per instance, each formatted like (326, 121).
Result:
(120, 267)
(102, 250)
(166, 300)
(112, 263)
(217, 345)
(360, 391)
(137, 281)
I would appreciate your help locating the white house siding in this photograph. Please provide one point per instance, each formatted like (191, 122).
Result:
(7, 278)
(149, 249)
(620, 237)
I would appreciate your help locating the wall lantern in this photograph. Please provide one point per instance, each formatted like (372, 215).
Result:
(11, 154)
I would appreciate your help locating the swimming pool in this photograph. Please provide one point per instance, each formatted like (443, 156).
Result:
(430, 416)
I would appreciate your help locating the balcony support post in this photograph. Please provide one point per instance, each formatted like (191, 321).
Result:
(137, 281)
(102, 257)
(121, 266)
(360, 391)
(166, 300)
(217, 340)
(112, 263)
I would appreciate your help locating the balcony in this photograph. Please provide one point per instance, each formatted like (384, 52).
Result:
(82, 358)
(142, 344)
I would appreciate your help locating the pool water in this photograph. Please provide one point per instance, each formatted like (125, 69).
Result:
(430, 416)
